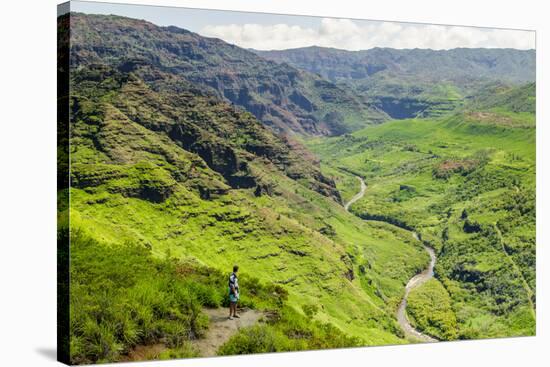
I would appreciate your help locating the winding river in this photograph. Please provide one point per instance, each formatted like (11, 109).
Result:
(414, 282)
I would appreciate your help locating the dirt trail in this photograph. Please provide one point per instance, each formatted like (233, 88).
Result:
(415, 281)
(221, 329)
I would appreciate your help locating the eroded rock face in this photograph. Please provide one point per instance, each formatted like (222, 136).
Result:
(279, 95)
(264, 189)
(150, 192)
(301, 101)
(326, 190)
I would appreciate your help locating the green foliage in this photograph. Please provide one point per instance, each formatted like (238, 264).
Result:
(256, 339)
(121, 296)
(430, 311)
(185, 351)
(447, 168)
(310, 310)
(502, 98)
(288, 331)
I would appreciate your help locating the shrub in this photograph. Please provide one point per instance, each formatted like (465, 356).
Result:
(288, 330)
(256, 339)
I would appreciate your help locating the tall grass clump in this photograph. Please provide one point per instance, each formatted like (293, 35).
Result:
(121, 296)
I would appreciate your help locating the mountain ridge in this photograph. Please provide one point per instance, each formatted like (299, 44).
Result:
(409, 83)
(281, 96)
(293, 56)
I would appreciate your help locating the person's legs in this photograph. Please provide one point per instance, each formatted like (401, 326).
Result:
(231, 309)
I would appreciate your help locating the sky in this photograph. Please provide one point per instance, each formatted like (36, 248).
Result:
(276, 32)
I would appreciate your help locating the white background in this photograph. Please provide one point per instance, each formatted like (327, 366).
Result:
(28, 182)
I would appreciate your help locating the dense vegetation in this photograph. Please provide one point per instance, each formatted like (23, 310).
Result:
(289, 331)
(122, 297)
(430, 310)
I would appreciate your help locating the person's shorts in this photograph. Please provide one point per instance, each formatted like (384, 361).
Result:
(233, 298)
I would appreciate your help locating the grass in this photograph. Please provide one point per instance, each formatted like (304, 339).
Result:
(122, 297)
(269, 239)
(290, 331)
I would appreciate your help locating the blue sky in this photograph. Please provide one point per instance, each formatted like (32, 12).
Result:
(271, 31)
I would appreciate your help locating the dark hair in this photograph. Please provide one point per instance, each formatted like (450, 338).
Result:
(235, 268)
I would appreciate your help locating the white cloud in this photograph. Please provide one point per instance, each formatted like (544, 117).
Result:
(352, 35)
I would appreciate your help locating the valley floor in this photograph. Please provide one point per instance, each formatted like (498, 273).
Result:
(459, 183)
(415, 281)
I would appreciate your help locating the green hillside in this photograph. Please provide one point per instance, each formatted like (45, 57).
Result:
(505, 98)
(468, 187)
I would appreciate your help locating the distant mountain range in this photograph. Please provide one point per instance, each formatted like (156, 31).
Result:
(312, 90)
(459, 65)
(413, 82)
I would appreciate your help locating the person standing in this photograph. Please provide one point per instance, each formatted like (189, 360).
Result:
(233, 293)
